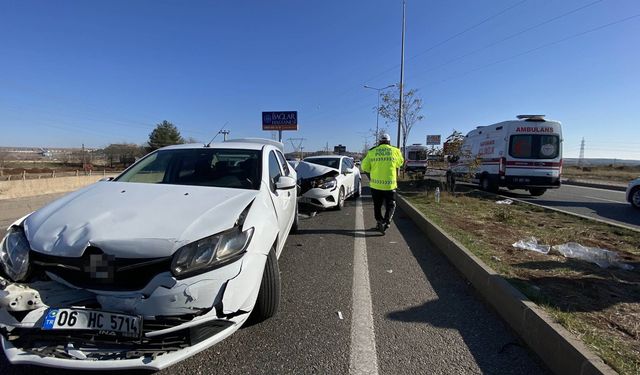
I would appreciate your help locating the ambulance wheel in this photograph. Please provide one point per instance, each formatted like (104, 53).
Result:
(635, 198)
(487, 185)
(536, 192)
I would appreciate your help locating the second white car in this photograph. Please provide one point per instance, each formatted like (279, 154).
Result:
(327, 181)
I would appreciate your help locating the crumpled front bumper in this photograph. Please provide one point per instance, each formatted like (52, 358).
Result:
(180, 318)
(323, 198)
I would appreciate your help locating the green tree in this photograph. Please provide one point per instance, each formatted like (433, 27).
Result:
(165, 134)
(411, 108)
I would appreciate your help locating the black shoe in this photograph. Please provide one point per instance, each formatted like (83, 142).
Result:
(381, 227)
(386, 226)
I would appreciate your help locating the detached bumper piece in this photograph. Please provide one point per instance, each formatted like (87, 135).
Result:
(81, 345)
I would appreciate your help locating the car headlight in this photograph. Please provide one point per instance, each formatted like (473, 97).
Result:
(14, 254)
(328, 184)
(210, 252)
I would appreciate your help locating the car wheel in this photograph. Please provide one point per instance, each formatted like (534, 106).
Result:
(294, 226)
(536, 192)
(635, 198)
(341, 197)
(358, 190)
(269, 294)
(487, 185)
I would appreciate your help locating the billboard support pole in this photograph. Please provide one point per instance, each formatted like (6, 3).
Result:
(279, 135)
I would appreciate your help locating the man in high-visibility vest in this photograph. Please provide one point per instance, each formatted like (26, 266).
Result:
(382, 163)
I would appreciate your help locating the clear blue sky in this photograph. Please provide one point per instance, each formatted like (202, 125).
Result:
(100, 72)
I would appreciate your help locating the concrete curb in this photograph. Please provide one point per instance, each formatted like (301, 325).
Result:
(558, 348)
(594, 185)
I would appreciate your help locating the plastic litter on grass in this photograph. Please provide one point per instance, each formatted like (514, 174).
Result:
(601, 257)
(531, 243)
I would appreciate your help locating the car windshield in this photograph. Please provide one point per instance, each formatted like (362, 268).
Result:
(327, 162)
(201, 167)
(534, 146)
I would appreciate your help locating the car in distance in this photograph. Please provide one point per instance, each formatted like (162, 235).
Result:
(167, 259)
(327, 181)
(633, 193)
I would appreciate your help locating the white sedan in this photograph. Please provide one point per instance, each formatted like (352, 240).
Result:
(140, 272)
(327, 181)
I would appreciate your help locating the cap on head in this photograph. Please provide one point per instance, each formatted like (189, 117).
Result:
(385, 137)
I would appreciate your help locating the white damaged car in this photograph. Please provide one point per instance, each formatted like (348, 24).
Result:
(140, 272)
(327, 181)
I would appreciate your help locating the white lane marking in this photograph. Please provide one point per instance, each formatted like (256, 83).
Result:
(364, 359)
(603, 199)
(593, 188)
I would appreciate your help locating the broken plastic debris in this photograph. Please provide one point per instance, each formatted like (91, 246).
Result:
(389, 271)
(496, 258)
(340, 315)
(531, 243)
(505, 201)
(601, 257)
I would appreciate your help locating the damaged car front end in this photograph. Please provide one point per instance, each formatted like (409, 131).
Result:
(127, 286)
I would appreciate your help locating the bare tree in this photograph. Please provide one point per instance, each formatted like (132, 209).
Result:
(411, 108)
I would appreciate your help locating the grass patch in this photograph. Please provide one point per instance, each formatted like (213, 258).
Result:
(600, 306)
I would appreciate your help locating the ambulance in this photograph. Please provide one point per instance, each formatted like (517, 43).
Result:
(415, 158)
(516, 154)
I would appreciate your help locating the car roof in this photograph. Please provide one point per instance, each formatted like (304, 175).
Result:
(226, 145)
(325, 156)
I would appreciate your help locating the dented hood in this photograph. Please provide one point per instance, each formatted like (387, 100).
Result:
(134, 220)
(307, 170)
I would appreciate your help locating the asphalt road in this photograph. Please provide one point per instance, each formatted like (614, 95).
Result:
(425, 317)
(608, 205)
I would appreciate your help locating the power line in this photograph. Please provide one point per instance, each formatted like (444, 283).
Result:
(537, 48)
(511, 36)
(445, 41)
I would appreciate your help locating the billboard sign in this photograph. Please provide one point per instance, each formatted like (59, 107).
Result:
(433, 140)
(287, 120)
(339, 149)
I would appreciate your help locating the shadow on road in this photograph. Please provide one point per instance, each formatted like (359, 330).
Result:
(457, 307)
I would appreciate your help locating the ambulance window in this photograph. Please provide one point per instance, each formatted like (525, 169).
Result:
(534, 146)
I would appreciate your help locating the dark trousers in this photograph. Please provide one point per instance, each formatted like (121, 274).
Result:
(386, 197)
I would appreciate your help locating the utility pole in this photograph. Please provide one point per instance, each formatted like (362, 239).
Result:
(581, 158)
(224, 134)
(401, 74)
(83, 156)
(299, 147)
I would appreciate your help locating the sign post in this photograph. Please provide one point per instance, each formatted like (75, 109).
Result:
(284, 120)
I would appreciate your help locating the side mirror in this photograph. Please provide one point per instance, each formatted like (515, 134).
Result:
(348, 171)
(106, 179)
(285, 183)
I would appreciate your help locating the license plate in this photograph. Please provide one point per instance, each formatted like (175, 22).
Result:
(92, 320)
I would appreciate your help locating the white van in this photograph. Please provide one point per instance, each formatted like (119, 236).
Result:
(517, 154)
(415, 158)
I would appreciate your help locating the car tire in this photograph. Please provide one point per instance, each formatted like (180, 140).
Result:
(296, 221)
(341, 198)
(634, 198)
(269, 294)
(536, 192)
(358, 190)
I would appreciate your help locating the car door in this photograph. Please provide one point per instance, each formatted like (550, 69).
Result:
(348, 179)
(283, 200)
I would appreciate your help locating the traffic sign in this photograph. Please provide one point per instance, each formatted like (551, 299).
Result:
(433, 140)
